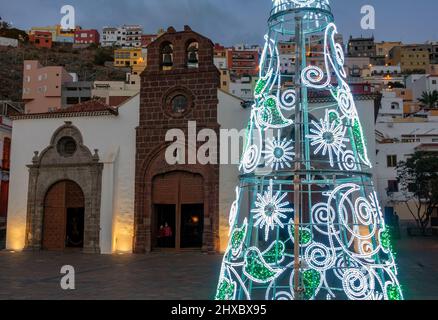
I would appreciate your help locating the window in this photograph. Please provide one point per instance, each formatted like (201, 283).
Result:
(393, 186)
(391, 161)
(433, 81)
(66, 146)
(28, 67)
(179, 104)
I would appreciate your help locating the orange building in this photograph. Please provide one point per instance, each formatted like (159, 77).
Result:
(243, 62)
(42, 87)
(41, 39)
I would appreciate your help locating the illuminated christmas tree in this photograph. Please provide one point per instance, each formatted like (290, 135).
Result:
(306, 223)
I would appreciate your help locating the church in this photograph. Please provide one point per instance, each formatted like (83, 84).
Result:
(94, 178)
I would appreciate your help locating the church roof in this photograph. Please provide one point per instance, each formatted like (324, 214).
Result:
(85, 109)
(89, 106)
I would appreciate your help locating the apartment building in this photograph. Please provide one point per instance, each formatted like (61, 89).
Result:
(134, 58)
(411, 58)
(357, 66)
(42, 86)
(113, 93)
(422, 83)
(384, 48)
(243, 60)
(243, 87)
(361, 47)
(220, 60)
(398, 138)
(76, 92)
(90, 36)
(123, 36)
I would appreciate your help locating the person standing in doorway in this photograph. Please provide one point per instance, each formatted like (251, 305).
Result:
(167, 232)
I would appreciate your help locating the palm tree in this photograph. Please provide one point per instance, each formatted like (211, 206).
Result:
(429, 99)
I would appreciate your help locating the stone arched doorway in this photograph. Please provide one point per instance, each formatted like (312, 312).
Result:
(192, 184)
(63, 218)
(178, 202)
(65, 159)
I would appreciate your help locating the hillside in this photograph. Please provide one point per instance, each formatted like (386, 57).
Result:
(80, 61)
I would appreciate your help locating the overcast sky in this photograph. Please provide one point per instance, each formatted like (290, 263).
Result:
(227, 21)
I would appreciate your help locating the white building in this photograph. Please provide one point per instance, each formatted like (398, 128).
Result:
(398, 139)
(114, 91)
(385, 70)
(8, 42)
(242, 87)
(419, 84)
(391, 106)
(357, 66)
(124, 36)
(287, 64)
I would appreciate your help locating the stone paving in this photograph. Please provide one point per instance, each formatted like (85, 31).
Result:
(182, 276)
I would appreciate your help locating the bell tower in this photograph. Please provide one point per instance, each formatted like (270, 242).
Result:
(178, 86)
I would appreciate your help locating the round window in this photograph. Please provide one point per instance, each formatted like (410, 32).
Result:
(66, 146)
(179, 104)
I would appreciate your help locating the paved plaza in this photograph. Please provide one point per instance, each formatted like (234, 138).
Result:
(169, 275)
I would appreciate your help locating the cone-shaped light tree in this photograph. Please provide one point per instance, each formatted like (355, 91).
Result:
(306, 223)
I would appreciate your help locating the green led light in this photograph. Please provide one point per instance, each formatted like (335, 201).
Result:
(260, 85)
(275, 254)
(394, 292)
(257, 268)
(237, 237)
(385, 239)
(311, 281)
(225, 290)
(358, 137)
(305, 235)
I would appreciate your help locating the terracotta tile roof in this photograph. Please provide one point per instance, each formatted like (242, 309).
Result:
(88, 106)
(85, 109)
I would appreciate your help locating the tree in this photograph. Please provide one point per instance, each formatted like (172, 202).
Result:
(102, 55)
(418, 178)
(429, 99)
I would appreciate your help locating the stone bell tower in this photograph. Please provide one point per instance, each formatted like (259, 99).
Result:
(179, 85)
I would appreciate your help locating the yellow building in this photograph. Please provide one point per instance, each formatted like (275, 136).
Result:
(130, 57)
(411, 58)
(383, 48)
(57, 32)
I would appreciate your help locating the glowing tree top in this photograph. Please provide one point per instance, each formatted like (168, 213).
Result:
(317, 13)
